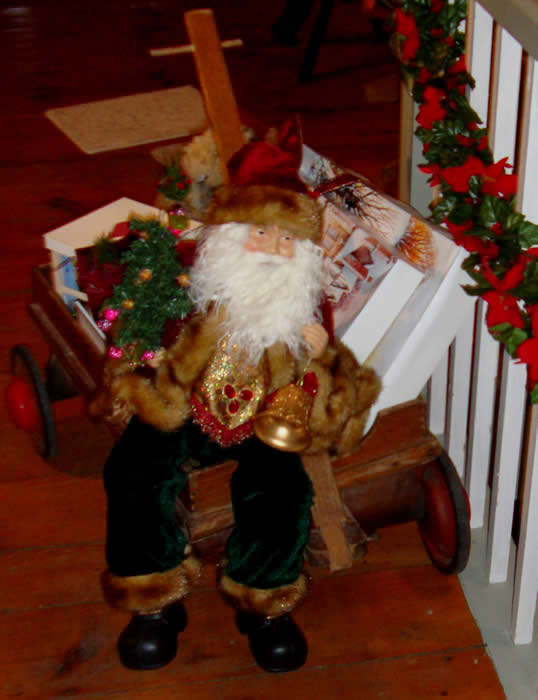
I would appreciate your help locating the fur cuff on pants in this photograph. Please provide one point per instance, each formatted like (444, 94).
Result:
(269, 602)
(151, 592)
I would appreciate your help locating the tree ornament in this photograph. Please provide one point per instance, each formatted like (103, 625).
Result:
(183, 280)
(104, 324)
(145, 274)
(128, 304)
(111, 314)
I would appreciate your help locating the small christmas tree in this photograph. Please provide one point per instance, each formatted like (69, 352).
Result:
(151, 292)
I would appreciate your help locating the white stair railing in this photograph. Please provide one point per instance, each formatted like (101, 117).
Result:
(477, 396)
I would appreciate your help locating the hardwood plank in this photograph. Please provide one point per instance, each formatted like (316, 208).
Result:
(51, 576)
(17, 324)
(70, 574)
(451, 674)
(71, 649)
(51, 511)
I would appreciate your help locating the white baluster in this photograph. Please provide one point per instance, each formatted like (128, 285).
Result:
(526, 581)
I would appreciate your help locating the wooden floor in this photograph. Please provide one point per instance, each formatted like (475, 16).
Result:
(392, 627)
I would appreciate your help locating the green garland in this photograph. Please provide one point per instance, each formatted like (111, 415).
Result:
(477, 196)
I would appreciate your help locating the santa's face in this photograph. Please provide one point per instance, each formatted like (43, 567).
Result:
(271, 240)
(269, 282)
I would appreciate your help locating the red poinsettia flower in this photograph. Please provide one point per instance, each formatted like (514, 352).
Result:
(458, 229)
(407, 27)
(511, 279)
(533, 313)
(460, 66)
(502, 308)
(497, 182)
(424, 76)
(464, 140)
(472, 244)
(458, 176)
(434, 170)
(431, 110)
(527, 352)
(437, 5)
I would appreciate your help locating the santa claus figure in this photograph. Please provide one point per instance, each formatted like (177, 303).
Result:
(257, 287)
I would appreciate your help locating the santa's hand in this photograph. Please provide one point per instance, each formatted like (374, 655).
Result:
(317, 338)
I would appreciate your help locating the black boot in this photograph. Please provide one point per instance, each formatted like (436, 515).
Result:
(150, 640)
(277, 644)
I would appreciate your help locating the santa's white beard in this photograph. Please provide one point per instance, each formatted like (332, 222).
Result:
(268, 298)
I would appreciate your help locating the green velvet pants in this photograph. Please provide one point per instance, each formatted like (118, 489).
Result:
(270, 491)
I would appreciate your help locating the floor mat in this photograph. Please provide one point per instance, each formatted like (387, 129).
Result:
(132, 120)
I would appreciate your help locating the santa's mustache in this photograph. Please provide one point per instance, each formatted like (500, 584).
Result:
(267, 258)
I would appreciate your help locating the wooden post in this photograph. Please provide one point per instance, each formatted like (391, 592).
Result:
(215, 84)
(328, 510)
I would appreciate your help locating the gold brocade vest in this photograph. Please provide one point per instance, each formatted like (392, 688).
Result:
(229, 394)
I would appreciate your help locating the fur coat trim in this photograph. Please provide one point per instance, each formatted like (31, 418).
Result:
(346, 390)
(149, 593)
(270, 602)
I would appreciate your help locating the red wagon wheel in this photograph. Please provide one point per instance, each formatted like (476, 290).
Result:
(28, 401)
(444, 525)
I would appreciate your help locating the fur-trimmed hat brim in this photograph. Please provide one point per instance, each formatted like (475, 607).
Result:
(266, 205)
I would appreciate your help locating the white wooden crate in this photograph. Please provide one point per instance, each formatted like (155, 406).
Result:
(63, 242)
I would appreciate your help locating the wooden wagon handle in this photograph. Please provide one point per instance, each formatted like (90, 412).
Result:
(214, 79)
(328, 510)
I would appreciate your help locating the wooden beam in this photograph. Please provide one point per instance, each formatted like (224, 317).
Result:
(215, 84)
(189, 48)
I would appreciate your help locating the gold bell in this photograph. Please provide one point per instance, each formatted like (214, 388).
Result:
(283, 424)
